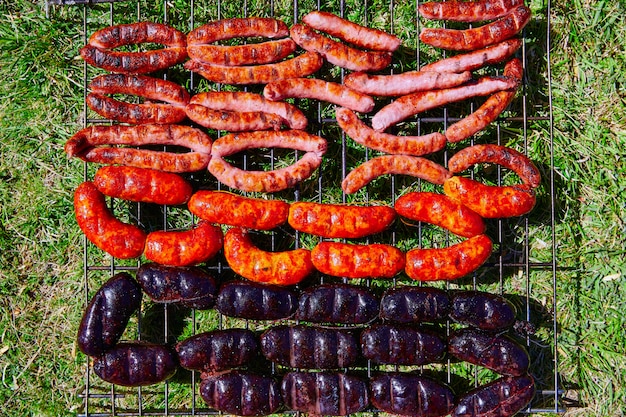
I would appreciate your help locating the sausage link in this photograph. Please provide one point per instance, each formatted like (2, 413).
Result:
(482, 310)
(339, 221)
(449, 263)
(415, 166)
(490, 201)
(401, 345)
(240, 27)
(357, 261)
(440, 210)
(248, 54)
(410, 304)
(473, 60)
(279, 268)
(337, 304)
(184, 248)
(503, 397)
(405, 82)
(137, 33)
(287, 139)
(233, 121)
(119, 239)
(256, 301)
(226, 208)
(471, 11)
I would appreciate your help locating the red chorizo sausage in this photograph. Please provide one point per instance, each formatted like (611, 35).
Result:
(361, 36)
(490, 201)
(468, 11)
(478, 37)
(226, 208)
(404, 83)
(248, 54)
(254, 264)
(415, 166)
(184, 248)
(361, 133)
(449, 263)
(119, 239)
(142, 185)
(240, 27)
(470, 61)
(338, 53)
(440, 210)
(339, 221)
(357, 261)
(233, 121)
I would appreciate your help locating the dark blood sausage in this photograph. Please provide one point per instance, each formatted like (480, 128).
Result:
(412, 104)
(474, 11)
(500, 354)
(320, 90)
(482, 310)
(254, 264)
(357, 261)
(224, 29)
(337, 304)
(233, 121)
(409, 304)
(98, 51)
(218, 350)
(478, 37)
(415, 166)
(503, 397)
(309, 347)
(251, 300)
(339, 221)
(406, 394)
(299, 66)
(404, 83)
(87, 145)
(242, 101)
(337, 53)
(350, 32)
(227, 208)
(324, 393)
(491, 201)
(241, 393)
(120, 240)
(186, 247)
(248, 54)
(171, 109)
(401, 345)
(490, 110)
(473, 60)
(361, 133)
(440, 210)
(496, 154)
(105, 318)
(449, 263)
(190, 286)
(133, 364)
(142, 185)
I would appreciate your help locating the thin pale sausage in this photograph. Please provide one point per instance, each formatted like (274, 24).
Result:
(404, 83)
(473, 60)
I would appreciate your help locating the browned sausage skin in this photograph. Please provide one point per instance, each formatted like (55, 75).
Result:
(248, 54)
(224, 29)
(405, 82)
(473, 60)
(357, 261)
(468, 11)
(233, 121)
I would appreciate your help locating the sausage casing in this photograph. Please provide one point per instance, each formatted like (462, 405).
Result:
(410, 304)
(337, 304)
(357, 261)
(238, 27)
(503, 397)
(474, 11)
(401, 345)
(482, 310)
(404, 83)
(248, 54)
(254, 301)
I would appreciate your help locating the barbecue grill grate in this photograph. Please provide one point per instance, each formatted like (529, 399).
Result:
(525, 273)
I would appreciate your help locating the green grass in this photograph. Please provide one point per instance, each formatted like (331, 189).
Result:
(41, 284)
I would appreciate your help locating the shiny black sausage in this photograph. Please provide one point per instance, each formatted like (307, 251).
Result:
(255, 301)
(401, 345)
(482, 310)
(337, 304)
(410, 304)
(503, 397)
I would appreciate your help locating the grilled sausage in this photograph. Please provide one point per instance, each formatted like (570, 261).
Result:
(404, 83)
(490, 201)
(358, 131)
(324, 393)
(190, 286)
(184, 248)
(233, 121)
(241, 393)
(473, 60)
(474, 11)
(440, 210)
(503, 397)
(226, 208)
(218, 350)
(255, 301)
(337, 53)
(478, 37)
(248, 54)
(412, 104)
(299, 66)
(289, 139)
(102, 228)
(406, 394)
(224, 29)
(107, 315)
(496, 154)
(401, 345)
(482, 310)
(133, 364)
(142, 185)
(319, 90)
(278, 268)
(415, 166)
(339, 221)
(350, 32)
(357, 261)
(410, 304)
(337, 304)
(449, 263)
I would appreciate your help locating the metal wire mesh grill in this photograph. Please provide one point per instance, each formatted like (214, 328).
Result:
(514, 271)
